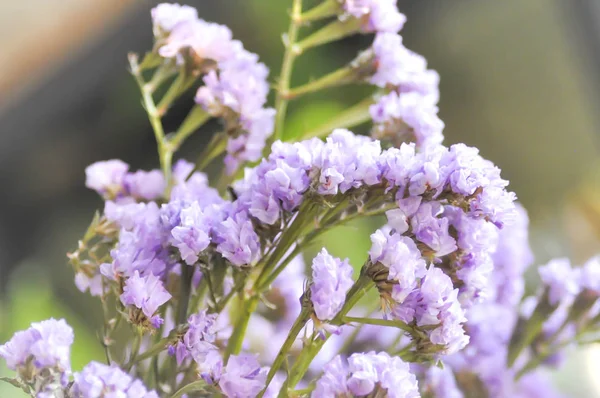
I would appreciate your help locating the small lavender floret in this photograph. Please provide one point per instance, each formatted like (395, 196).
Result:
(199, 340)
(106, 177)
(366, 373)
(237, 240)
(561, 279)
(147, 185)
(205, 41)
(146, 293)
(407, 117)
(332, 278)
(191, 236)
(378, 15)
(97, 380)
(243, 377)
(166, 16)
(46, 344)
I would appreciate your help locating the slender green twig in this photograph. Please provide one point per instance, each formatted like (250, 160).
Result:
(192, 387)
(286, 69)
(184, 292)
(164, 155)
(239, 331)
(285, 348)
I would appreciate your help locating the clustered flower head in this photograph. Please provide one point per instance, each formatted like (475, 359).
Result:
(332, 278)
(367, 373)
(212, 284)
(103, 381)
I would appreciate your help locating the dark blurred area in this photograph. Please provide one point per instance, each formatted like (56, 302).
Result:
(519, 79)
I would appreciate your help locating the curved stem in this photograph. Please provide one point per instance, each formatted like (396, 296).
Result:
(194, 120)
(285, 348)
(165, 156)
(286, 69)
(336, 78)
(192, 387)
(328, 8)
(239, 331)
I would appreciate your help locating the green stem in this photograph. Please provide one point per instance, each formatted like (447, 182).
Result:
(328, 8)
(285, 348)
(215, 147)
(239, 331)
(356, 292)
(164, 155)
(525, 333)
(336, 30)
(194, 120)
(197, 298)
(184, 293)
(161, 345)
(192, 387)
(340, 77)
(135, 349)
(286, 69)
(353, 116)
(181, 84)
(378, 322)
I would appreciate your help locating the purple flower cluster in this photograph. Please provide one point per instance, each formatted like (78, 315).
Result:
(425, 297)
(243, 377)
(367, 373)
(41, 356)
(235, 85)
(237, 92)
(146, 294)
(407, 111)
(375, 15)
(97, 380)
(332, 278)
(198, 341)
(112, 180)
(45, 344)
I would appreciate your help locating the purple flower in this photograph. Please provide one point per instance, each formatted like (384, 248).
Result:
(143, 242)
(97, 380)
(365, 374)
(146, 293)
(561, 279)
(333, 382)
(402, 257)
(399, 67)
(199, 340)
(332, 278)
(441, 382)
(590, 275)
(147, 185)
(431, 229)
(236, 240)
(237, 93)
(192, 235)
(407, 117)
(166, 16)
(512, 257)
(379, 15)
(347, 161)
(206, 41)
(47, 344)
(93, 283)
(106, 177)
(242, 377)
(192, 188)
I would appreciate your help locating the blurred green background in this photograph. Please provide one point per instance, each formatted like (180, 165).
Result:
(519, 79)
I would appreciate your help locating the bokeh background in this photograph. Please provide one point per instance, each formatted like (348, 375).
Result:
(520, 80)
